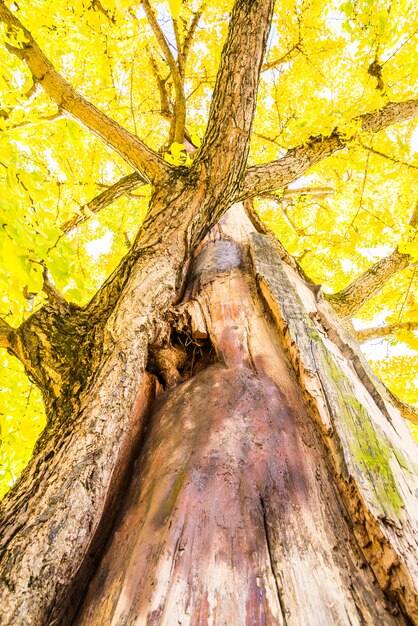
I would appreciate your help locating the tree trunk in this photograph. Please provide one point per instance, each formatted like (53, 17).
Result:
(263, 495)
(274, 483)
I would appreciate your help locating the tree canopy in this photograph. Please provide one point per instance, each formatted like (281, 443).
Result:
(333, 157)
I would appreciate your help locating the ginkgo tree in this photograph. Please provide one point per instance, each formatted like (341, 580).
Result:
(200, 202)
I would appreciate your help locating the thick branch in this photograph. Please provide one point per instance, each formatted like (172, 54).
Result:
(43, 72)
(180, 106)
(123, 186)
(281, 172)
(227, 138)
(377, 332)
(352, 298)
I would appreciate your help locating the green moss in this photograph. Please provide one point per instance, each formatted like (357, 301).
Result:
(369, 447)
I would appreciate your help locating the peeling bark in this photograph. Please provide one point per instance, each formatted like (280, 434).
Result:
(249, 504)
(232, 471)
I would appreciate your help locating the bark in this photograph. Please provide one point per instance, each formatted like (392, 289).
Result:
(55, 523)
(249, 503)
(130, 148)
(227, 137)
(91, 365)
(122, 187)
(352, 298)
(266, 177)
(377, 332)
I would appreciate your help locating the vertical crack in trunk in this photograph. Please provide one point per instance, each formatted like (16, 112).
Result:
(270, 555)
(232, 437)
(371, 450)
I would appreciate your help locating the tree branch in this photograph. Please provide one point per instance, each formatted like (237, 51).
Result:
(320, 192)
(180, 105)
(166, 109)
(271, 65)
(176, 30)
(191, 32)
(281, 172)
(414, 217)
(352, 298)
(11, 340)
(130, 148)
(377, 332)
(389, 158)
(123, 186)
(54, 296)
(226, 141)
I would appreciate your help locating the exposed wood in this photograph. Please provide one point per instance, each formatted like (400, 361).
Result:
(233, 516)
(371, 448)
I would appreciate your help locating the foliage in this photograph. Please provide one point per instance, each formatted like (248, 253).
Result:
(21, 421)
(328, 61)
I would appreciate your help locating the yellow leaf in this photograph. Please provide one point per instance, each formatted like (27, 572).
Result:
(175, 6)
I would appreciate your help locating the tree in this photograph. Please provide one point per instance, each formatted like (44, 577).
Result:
(216, 450)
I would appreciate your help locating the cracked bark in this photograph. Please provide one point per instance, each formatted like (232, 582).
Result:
(192, 542)
(91, 363)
